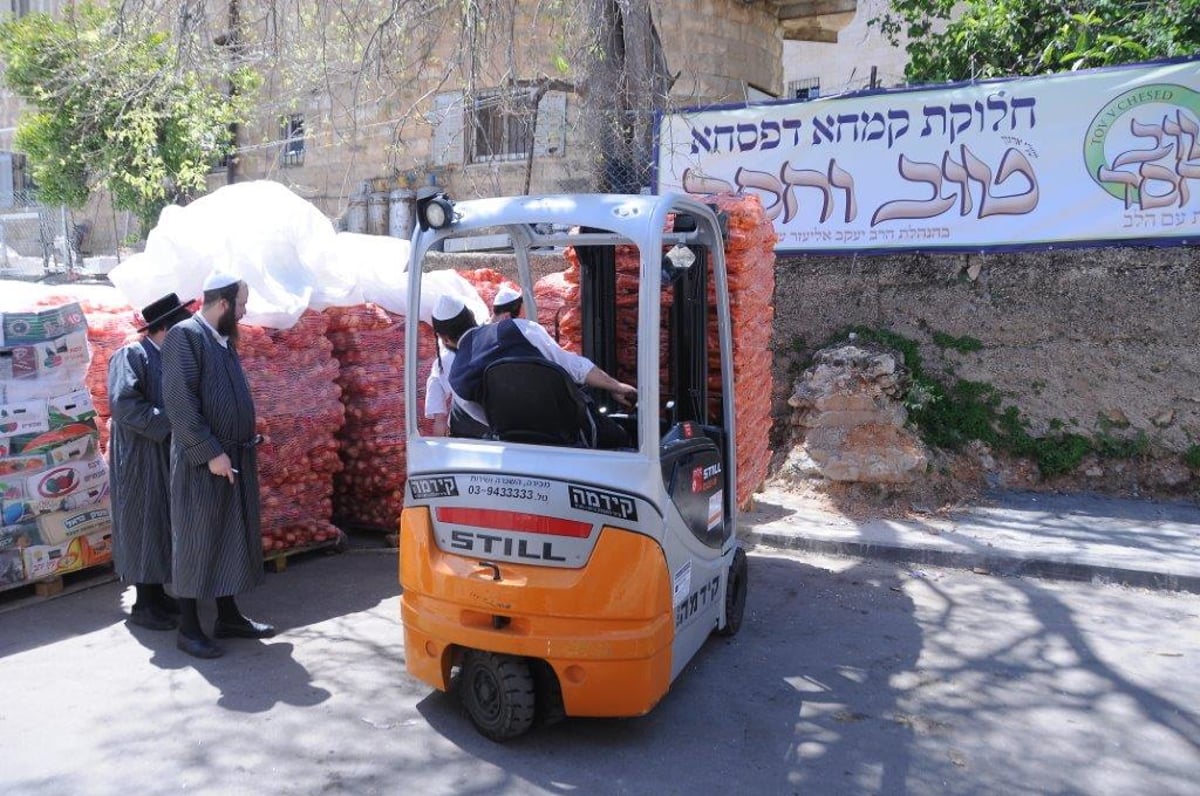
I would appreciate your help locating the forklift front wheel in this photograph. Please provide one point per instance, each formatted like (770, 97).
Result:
(498, 694)
(735, 593)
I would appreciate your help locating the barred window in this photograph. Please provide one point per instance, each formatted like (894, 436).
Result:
(806, 89)
(291, 131)
(501, 126)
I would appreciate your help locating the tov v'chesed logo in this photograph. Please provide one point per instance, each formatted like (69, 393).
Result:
(1143, 147)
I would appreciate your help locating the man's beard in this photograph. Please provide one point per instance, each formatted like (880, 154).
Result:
(227, 325)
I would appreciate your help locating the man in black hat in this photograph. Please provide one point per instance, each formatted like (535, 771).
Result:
(139, 462)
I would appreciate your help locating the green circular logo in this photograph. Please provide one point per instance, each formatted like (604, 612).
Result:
(1112, 118)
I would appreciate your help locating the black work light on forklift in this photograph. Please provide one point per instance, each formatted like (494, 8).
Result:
(435, 210)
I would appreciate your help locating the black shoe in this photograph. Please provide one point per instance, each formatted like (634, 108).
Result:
(198, 647)
(243, 628)
(166, 604)
(151, 618)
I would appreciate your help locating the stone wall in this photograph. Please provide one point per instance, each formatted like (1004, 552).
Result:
(1104, 340)
(718, 47)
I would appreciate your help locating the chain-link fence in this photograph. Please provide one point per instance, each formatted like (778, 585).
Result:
(621, 148)
(35, 239)
(39, 240)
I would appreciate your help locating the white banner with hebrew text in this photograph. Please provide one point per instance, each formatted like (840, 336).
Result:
(1103, 155)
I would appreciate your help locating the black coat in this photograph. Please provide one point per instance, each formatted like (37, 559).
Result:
(216, 538)
(139, 465)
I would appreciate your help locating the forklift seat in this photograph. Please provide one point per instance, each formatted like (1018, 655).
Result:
(533, 400)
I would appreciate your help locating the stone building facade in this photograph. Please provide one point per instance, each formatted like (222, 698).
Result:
(431, 129)
(859, 57)
(500, 103)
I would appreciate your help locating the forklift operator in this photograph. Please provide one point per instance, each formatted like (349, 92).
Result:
(507, 304)
(477, 347)
(450, 321)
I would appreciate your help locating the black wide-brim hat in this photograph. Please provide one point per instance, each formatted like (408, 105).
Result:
(163, 310)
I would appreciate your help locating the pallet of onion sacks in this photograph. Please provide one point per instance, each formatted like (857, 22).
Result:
(297, 402)
(299, 455)
(368, 343)
(750, 263)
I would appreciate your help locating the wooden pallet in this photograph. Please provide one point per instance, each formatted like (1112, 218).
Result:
(16, 595)
(277, 560)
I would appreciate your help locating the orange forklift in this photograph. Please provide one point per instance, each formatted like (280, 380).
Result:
(543, 577)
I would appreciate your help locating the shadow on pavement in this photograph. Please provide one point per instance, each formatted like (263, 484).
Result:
(801, 713)
(315, 587)
(253, 676)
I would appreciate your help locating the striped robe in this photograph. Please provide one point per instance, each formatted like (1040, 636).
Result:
(139, 465)
(216, 539)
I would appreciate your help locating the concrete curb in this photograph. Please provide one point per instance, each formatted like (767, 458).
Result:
(995, 564)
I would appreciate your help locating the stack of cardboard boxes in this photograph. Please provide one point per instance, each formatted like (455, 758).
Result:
(54, 509)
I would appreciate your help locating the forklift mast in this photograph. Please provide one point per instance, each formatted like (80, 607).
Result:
(687, 324)
(689, 341)
(598, 304)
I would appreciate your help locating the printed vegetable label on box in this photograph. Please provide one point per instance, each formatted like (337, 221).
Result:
(42, 561)
(79, 448)
(19, 362)
(67, 478)
(73, 407)
(11, 466)
(20, 536)
(12, 488)
(26, 417)
(37, 327)
(47, 441)
(67, 351)
(63, 526)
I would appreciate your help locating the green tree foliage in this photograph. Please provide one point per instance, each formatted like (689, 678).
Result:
(111, 106)
(978, 39)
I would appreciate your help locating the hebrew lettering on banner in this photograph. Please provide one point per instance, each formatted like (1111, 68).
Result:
(1168, 165)
(975, 166)
(963, 173)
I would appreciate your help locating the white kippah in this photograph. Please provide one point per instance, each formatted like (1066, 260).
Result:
(219, 279)
(448, 307)
(506, 295)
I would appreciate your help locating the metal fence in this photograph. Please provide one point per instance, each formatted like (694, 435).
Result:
(39, 240)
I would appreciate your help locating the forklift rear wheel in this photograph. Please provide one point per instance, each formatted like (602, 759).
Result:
(735, 593)
(498, 694)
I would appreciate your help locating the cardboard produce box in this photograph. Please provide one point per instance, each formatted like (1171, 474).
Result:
(24, 418)
(69, 352)
(15, 468)
(63, 480)
(17, 536)
(46, 561)
(71, 407)
(17, 511)
(84, 446)
(19, 362)
(62, 526)
(42, 325)
(48, 442)
(12, 567)
(60, 487)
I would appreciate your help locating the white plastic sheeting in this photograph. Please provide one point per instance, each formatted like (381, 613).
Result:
(285, 249)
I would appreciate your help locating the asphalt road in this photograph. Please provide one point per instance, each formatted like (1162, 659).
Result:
(849, 677)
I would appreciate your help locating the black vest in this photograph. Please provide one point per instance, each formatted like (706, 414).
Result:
(482, 346)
